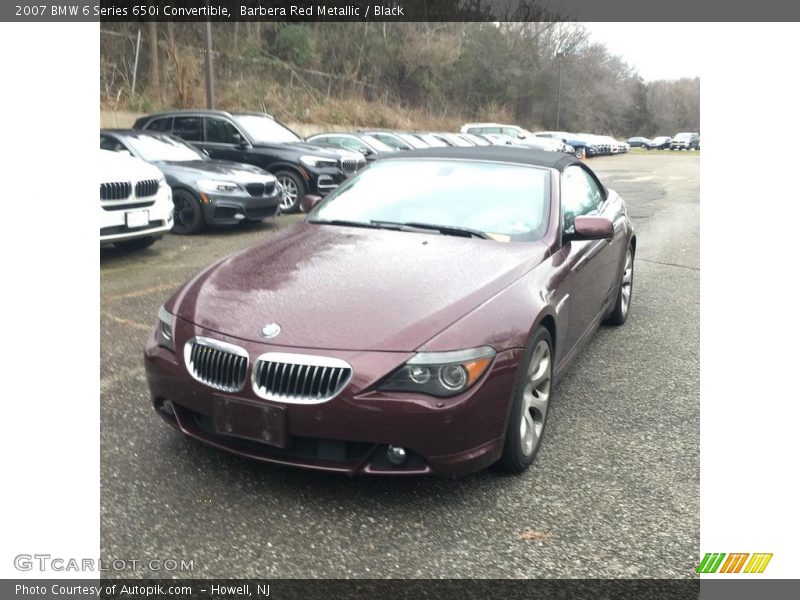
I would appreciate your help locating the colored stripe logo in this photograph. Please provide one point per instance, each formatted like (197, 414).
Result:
(719, 562)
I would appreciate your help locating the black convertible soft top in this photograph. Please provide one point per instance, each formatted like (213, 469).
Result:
(509, 154)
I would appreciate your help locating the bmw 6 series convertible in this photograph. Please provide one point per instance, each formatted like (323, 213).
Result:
(415, 322)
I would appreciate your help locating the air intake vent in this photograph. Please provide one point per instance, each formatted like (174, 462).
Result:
(299, 378)
(118, 190)
(217, 364)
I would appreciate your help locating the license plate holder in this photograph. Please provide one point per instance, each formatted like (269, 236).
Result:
(250, 421)
(137, 218)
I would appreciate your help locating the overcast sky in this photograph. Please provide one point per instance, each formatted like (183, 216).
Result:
(647, 47)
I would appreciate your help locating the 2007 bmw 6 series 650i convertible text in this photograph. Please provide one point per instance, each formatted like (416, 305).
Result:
(415, 322)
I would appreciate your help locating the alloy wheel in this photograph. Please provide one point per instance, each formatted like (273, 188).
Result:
(627, 282)
(535, 397)
(288, 192)
(184, 211)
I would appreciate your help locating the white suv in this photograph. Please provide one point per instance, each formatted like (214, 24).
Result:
(516, 133)
(135, 201)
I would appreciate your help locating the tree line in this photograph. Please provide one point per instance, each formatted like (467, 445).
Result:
(538, 75)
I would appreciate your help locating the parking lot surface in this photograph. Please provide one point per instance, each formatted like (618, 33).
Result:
(614, 491)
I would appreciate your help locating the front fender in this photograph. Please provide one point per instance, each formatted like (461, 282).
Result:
(506, 320)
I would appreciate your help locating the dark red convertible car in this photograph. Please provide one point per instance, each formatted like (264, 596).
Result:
(415, 322)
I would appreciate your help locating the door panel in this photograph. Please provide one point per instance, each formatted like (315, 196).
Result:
(588, 260)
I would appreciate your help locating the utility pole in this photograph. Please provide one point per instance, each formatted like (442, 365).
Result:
(136, 61)
(209, 64)
(559, 58)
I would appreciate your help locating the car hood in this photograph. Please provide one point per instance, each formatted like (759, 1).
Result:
(230, 170)
(119, 166)
(349, 288)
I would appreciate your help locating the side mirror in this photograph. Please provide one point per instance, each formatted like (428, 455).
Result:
(239, 140)
(592, 228)
(521, 136)
(309, 201)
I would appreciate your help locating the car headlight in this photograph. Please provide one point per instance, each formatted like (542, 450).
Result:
(164, 336)
(440, 373)
(317, 162)
(217, 186)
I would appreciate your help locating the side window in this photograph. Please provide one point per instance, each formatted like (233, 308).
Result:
(109, 143)
(351, 144)
(321, 139)
(580, 195)
(163, 124)
(188, 128)
(220, 131)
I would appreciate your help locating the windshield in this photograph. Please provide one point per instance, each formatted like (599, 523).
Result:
(154, 148)
(266, 130)
(501, 201)
(413, 140)
(683, 136)
(376, 144)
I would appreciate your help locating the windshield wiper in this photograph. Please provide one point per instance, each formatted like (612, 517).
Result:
(443, 229)
(345, 223)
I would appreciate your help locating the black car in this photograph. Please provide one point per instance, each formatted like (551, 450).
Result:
(260, 140)
(371, 147)
(204, 191)
(661, 142)
(638, 142)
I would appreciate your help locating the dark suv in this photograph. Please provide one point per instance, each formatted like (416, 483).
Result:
(261, 140)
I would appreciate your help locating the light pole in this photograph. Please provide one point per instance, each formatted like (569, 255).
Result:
(209, 64)
(559, 57)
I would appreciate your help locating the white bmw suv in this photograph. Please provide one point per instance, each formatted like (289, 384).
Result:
(135, 201)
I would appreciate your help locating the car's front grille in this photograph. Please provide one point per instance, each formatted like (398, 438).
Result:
(146, 187)
(260, 189)
(217, 364)
(117, 190)
(349, 166)
(299, 378)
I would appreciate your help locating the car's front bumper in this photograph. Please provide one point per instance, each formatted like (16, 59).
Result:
(350, 433)
(323, 181)
(114, 224)
(227, 209)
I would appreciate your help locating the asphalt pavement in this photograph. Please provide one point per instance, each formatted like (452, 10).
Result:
(614, 491)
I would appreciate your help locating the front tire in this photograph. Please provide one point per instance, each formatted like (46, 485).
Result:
(622, 305)
(293, 188)
(530, 404)
(188, 214)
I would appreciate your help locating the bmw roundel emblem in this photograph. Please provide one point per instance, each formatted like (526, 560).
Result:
(270, 330)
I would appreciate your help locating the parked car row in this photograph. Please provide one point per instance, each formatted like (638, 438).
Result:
(681, 141)
(471, 135)
(587, 144)
(221, 168)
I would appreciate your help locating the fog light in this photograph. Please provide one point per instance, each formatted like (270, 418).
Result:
(396, 455)
(168, 408)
